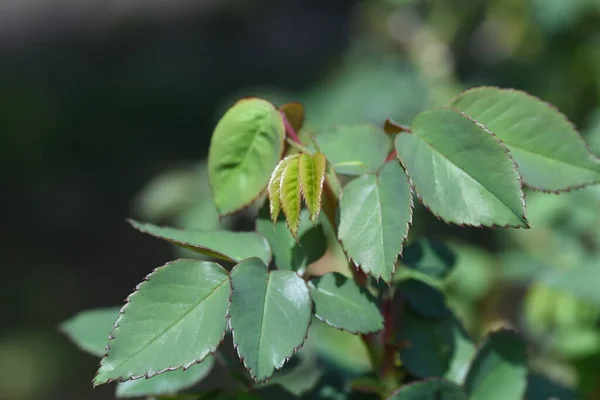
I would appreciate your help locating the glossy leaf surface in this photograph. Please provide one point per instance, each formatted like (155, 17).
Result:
(290, 254)
(341, 303)
(499, 370)
(174, 319)
(312, 176)
(224, 245)
(432, 389)
(167, 383)
(550, 153)
(355, 149)
(245, 148)
(270, 314)
(460, 171)
(90, 329)
(375, 213)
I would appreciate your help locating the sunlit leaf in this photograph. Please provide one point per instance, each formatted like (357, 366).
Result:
(312, 176)
(375, 213)
(174, 319)
(270, 314)
(275, 185)
(245, 148)
(290, 195)
(550, 153)
(90, 329)
(224, 245)
(167, 383)
(341, 303)
(460, 171)
(499, 370)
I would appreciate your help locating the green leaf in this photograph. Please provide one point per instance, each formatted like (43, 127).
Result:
(312, 176)
(175, 318)
(274, 186)
(168, 383)
(224, 245)
(437, 347)
(499, 369)
(269, 316)
(355, 149)
(290, 254)
(245, 148)
(432, 389)
(375, 214)
(290, 195)
(89, 330)
(581, 281)
(341, 303)
(461, 172)
(423, 298)
(550, 153)
(430, 257)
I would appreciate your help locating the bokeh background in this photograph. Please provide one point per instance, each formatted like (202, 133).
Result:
(106, 112)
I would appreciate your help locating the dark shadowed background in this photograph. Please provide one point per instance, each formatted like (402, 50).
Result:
(97, 98)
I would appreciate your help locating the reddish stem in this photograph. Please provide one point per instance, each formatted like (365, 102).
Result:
(389, 352)
(289, 129)
(391, 156)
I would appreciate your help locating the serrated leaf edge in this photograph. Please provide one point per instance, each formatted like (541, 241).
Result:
(286, 358)
(148, 375)
(515, 168)
(404, 236)
(292, 228)
(276, 180)
(563, 116)
(195, 247)
(313, 217)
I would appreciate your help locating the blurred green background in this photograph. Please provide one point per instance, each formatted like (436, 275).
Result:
(106, 109)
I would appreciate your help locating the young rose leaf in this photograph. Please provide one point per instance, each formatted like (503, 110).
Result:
(269, 316)
(460, 171)
(431, 389)
(245, 147)
(375, 213)
(290, 195)
(294, 112)
(355, 149)
(274, 186)
(500, 360)
(312, 176)
(341, 303)
(224, 245)
(175, 318)
(168, 383)
(89, 330)
(437, 347)
(288, 253)
(550, 153)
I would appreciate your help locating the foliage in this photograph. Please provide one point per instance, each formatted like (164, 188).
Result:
(347, 191)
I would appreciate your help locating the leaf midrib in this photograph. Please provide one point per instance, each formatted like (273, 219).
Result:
(170, 326)
(262, 324)
(519, 217)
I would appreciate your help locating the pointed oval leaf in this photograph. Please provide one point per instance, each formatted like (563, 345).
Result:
(224, 245)
(501, 359)
(290, 196)
(312, 176)
(341, 303)
(175, 318)
(431, 389)
(460, 171)
(288, 253)
(436, 347)
(355, 149)
(375, 214)
(90, 329)
(269, 316)
(245, 147)
(168, 383)
(550, 153)
(294, 112)
(274, 186)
